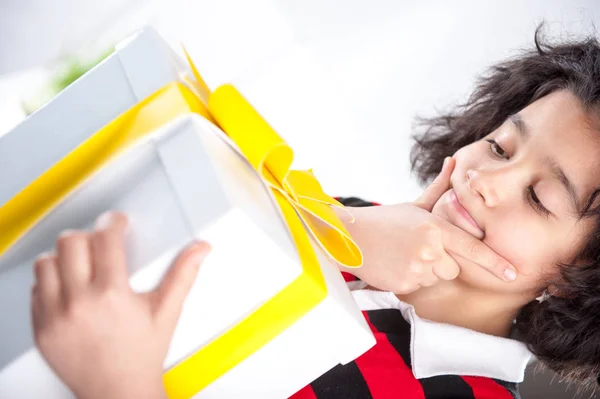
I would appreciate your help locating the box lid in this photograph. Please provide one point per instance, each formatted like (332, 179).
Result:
(139, 66)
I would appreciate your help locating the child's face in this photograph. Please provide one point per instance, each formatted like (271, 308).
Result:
(548, 154)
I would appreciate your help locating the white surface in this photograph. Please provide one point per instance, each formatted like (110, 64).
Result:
(342, 82)
(34, 32)
(380, 63)
(16, 381)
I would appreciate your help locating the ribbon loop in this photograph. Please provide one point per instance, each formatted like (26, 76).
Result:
(272, 158)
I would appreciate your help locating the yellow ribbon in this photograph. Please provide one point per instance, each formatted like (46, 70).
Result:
(272, 158)
(298, 194)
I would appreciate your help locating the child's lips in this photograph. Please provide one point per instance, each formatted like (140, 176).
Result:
(462, 211)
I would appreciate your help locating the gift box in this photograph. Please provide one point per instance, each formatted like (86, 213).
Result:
(269, 311)
(139, 66)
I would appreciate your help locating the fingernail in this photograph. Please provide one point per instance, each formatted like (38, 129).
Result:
(445, 162)
(103, 220)
(112, 219)
(510, 274)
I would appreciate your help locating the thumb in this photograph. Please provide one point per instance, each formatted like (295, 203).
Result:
(438, 187)
(178, 281)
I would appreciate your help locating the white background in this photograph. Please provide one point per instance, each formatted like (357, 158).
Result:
(341, 80)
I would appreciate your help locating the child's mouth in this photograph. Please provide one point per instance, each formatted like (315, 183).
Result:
(465, 220)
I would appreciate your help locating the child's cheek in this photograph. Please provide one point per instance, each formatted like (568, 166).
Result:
(514, 244)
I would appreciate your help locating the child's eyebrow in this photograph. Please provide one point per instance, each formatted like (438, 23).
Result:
(521, 126)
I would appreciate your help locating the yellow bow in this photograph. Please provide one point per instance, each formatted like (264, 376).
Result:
(272, 158)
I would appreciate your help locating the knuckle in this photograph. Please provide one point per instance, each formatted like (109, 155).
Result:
(428, 227)
(427, 253)
(111, 295)
(415, 267)
(472, 247)
(76, 309)
(430, 233)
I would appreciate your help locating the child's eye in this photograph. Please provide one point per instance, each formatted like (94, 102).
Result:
(535, 202)
(496, 150)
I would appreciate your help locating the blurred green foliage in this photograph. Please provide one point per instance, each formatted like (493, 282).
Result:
(69, 71)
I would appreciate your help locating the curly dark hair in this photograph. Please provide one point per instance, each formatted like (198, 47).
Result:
(563, 332)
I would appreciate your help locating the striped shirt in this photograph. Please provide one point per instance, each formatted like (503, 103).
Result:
(428, 361)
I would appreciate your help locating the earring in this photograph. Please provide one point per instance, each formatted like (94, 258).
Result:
(545, 295)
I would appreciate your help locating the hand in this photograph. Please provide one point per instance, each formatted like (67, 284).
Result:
(405, 247)
(102, 339)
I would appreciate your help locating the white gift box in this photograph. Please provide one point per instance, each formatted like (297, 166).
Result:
(184, 181)
(139, 66)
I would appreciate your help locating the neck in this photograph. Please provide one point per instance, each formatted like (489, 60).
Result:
(453, 302)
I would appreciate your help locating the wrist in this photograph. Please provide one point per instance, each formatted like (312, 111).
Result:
(151, 389)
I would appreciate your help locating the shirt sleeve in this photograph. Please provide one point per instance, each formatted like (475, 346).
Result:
(355, 202)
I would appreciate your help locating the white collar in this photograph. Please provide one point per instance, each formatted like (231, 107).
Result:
(440, 349)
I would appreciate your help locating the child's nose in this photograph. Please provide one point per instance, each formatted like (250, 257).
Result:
(481, 183)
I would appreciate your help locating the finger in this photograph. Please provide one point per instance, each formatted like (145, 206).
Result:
(446, 268)
(405, 288)
(438, 187)
(179, 280)
(108, 251)
(459, 242)
(416, 266)
(74, 262)
(112, 219)
(431, 236)
(47, 281)
(36, 309)
(35, 291)
(429, 279)
(35, 301)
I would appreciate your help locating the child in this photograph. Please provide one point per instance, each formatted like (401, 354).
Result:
(522, 179)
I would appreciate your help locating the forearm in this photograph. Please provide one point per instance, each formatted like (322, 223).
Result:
(126, 389)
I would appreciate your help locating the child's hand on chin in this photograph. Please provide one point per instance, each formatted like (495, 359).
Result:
(102, 339)
(405, 247)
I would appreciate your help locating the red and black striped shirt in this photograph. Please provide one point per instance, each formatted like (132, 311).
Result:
(385, 371)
